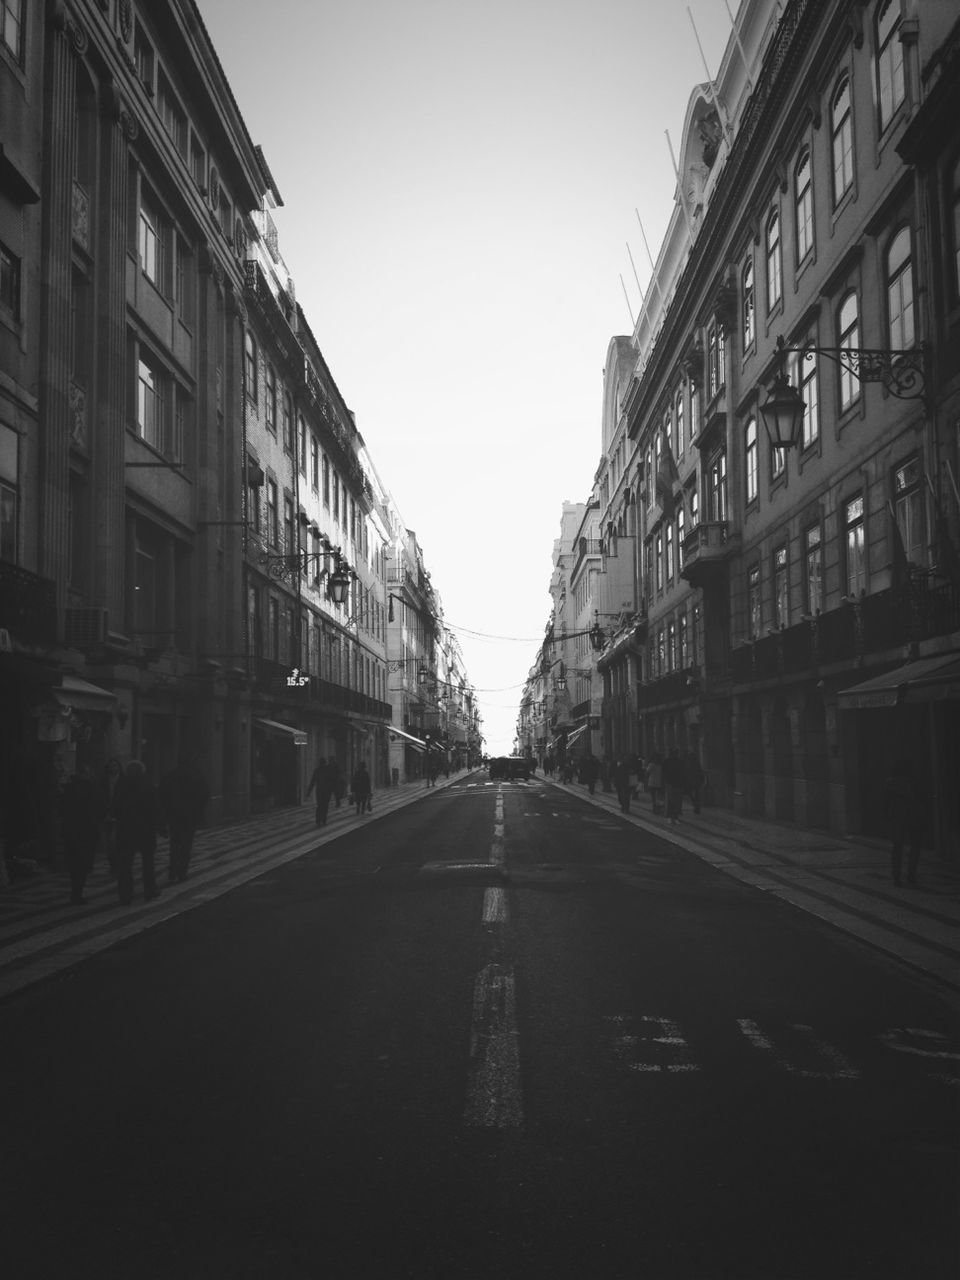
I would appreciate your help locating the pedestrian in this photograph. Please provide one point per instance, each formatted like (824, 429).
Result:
(112, 775)
(621, 780)
(322, 780)
(82, 813)
(361, 788)
(183, 798)
(694, 779)
(904, 814)
(139, 820)
(590, 771)
(655, 781)
(673, 779)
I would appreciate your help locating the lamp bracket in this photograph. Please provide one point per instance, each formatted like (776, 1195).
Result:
(901, 373)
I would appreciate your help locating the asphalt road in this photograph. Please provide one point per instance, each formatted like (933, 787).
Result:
(496, 1034)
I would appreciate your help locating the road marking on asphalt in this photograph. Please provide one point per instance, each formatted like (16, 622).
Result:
(841, 1067)
(897, 1038)
(494, 906)
(665, 1050)
(493, 1089)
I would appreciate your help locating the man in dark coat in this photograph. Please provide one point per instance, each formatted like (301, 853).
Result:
(361, 788)
(322, 779)
(590, 772)
(137, 810)
(183, 797)
(83, 809)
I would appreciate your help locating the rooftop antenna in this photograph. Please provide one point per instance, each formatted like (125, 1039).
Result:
(736, 36)
(721, 110)
(680, 192)
(633, 322)
(650, 256)
(635, 276)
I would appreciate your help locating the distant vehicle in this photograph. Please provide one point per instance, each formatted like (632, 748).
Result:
(510, 767)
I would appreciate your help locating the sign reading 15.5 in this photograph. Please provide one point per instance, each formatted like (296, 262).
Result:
(295, 680)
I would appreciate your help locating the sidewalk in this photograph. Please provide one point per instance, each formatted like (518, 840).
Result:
(845, 882)
(41, 933)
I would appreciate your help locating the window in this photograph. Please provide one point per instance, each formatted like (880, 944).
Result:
(813, 569)
(198, 163)
(11, 26)
(250, 365)
(754, 608)
(289, 543)
(682, 640)
(336, 497)
(273, 514)
(171, 113)
(908, 505)
(150, 240)
(680, 523)
(150, 404)
(849, 326)
(890, 84)
(671, 645)
(694, 413)
(900, 292)
(855, 565)
(184, 294)
(143, 58)
(803, 184)
(781, 592)
(751, 465)
(774, 261)
(670, 554)
(287, 422)
(718, 487)
(9, 283)
(841, 135)
(694, 509)
(661, 653)
(326, 482)
(749, 306)
(668, 432)
(9, 468)
(802, 371)
(715, 369)
(778, 464)
(253, 496)
(302, 429)
(679, 415)
(270, 393)
(659, 561)
(314, 463)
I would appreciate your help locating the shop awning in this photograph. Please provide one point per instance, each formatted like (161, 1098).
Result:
(274, 726)
(572, 737)
(417, 743)
(927, 680)
(79, 695)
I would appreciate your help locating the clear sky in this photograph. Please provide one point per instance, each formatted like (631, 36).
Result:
(459, 181)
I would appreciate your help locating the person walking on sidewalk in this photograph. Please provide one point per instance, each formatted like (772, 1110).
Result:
(655, 781)
(361, 788)
(322, 780)
(673, 779)
(139, 820)
(904, 814)
(82, 813)
(590, 772)
(183, 798)
(621, 780)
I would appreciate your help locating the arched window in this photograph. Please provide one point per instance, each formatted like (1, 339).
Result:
(678, 409)
(900, 292)
(890, 83)
(749, 305)
(774, 261)
(848, 323)
(803, 190)
(750, 459)
(841, 134)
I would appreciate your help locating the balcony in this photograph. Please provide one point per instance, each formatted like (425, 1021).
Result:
(706, 550)
(677, 686)
(28, 606)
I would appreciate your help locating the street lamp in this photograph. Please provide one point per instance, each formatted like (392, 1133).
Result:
(901, 373)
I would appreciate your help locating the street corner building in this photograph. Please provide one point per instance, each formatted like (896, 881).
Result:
(767, 557)
(195, 545)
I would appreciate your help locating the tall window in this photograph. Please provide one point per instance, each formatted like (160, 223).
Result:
(813, 569)
(314, 463)
(273, 513)
(150, 240)
(715, 370)
(671, 645)
(774, 261)
(11, 25)
(749, 306)
(841, 134)
(9, 283)
(781, 590)
(803, 186)
(326, 481)
(683, 643)
(750, 462)
(900, 292)
(680, 531)
(802, 371)
(289, 545)
(778, 463)
(718, 487)
(849, 326)
(694, 413)
(679, 417)
(287, 422)
(754, 607)
(890, 85)
(270, 392)
(670, 553)
(150, 404)
(302, 428)
(908, 505)
(668, 432)
(250, 365)
(659, 561)
(855, 561)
